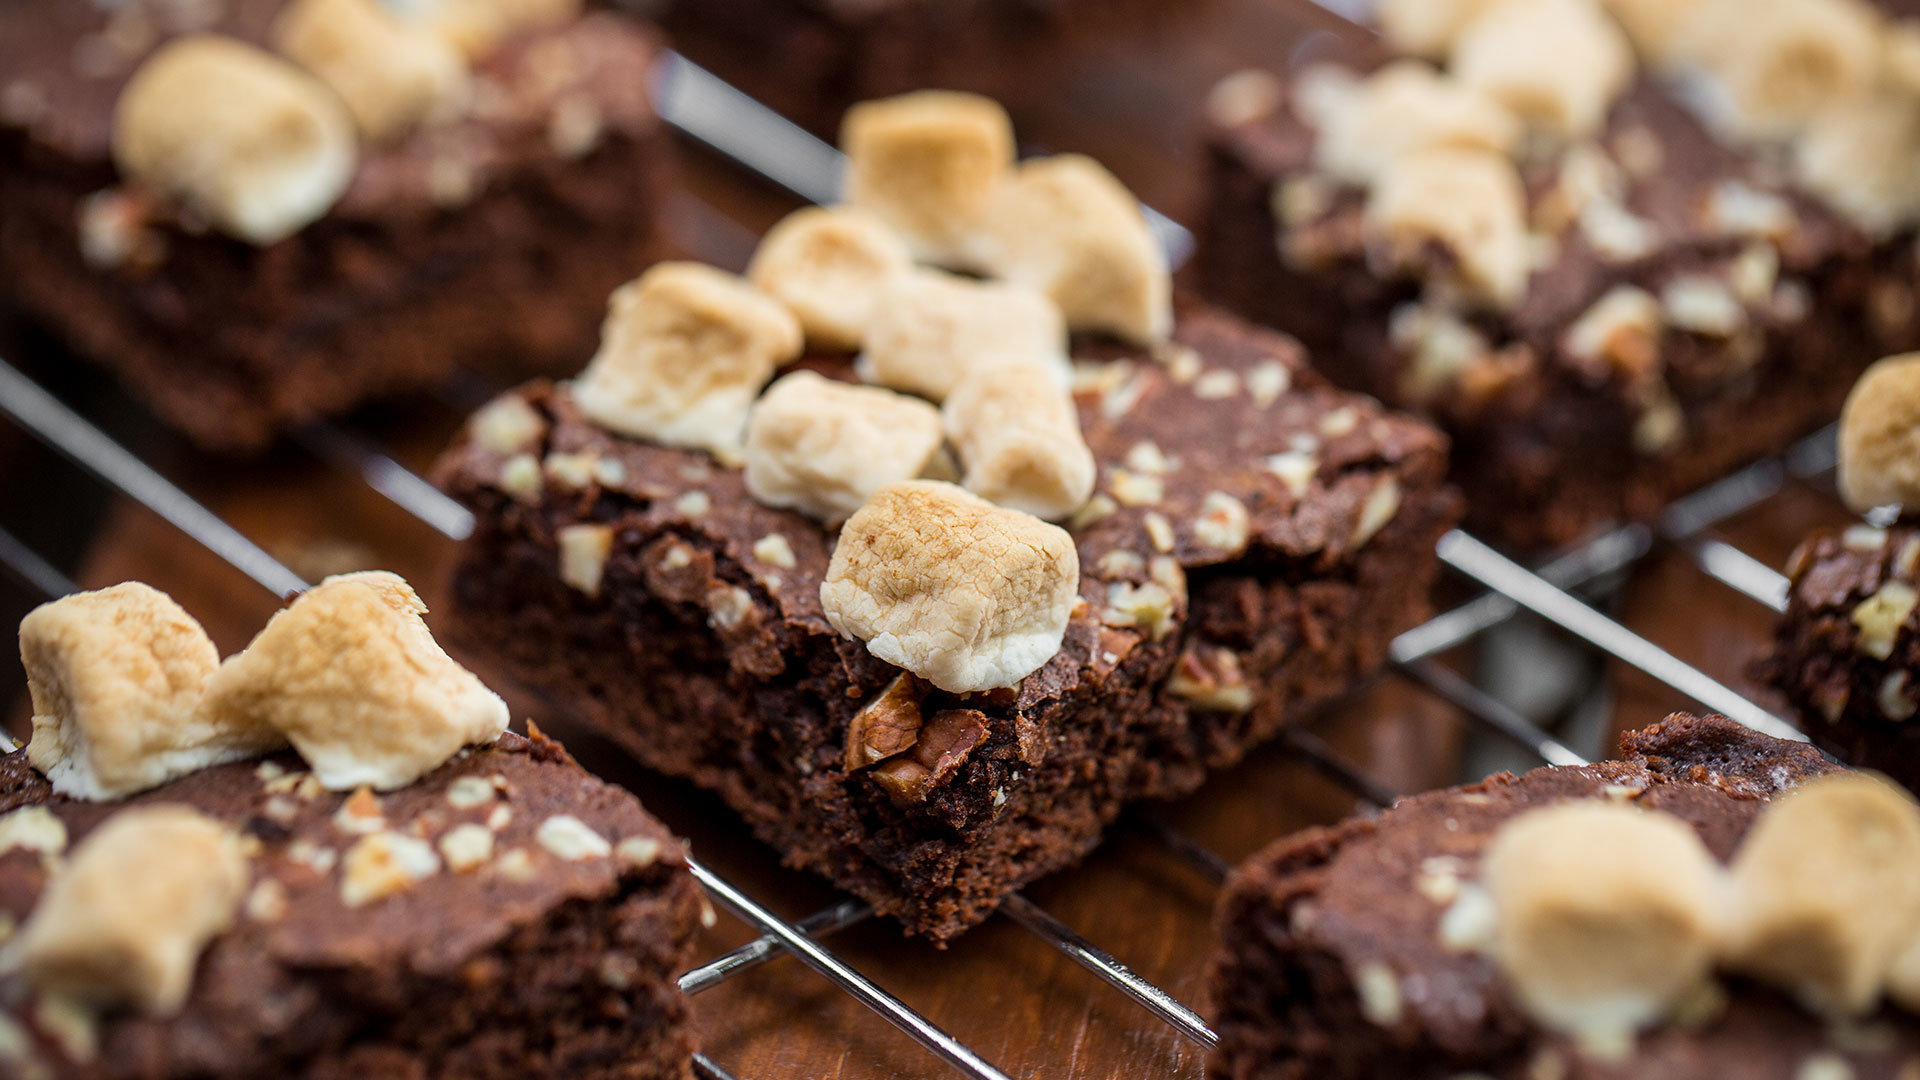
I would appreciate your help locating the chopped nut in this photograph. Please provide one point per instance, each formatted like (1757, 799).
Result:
(1019, 439)
(467, 792)
(727, 606)
(1216, 385)
(1739, 209)
(32, 828)
(1896, 698)
(1469, 202)
(946, 740)
(583, 555)
(1621, 329)
(390, 74)
(828, 265)
(885, 726)
(1880, 436)
(1557, 64)
(774, 550)
(1147, 457)
(1702, 305)
(466, 847)
(684, 350)
(125, 919)
(360, 813)
(1296, 469)
(520, 477)
(930, 329)
(1223, 523)
(823, 447)
(573, 471)
(1404, 107)
(358, 685)
(117, 678)
(507, 425)
(940, 582)
(1150, 607)
(637, 852)
(1244, 97)
(1383, 502)
(1267, 381)
(1379, 991)
(1159, 531)
(1882, 616)
(384, 864)
(1136, 489)
(267, 902)
(1210, 679)
(926, 163)
(1606, 914)
(572, 839)
(237, 134)
(1097, 508)
(1824, 891)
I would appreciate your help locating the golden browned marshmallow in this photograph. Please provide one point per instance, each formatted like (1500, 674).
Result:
(477, 27)
(391, 74)
(930, 328)
(257, 146)
(116, 678)
(124, 922)
(1861, 158)
(683, 352)
(963, 593)
(1066, 227)
(1408, 106)
(1825, 888)
(1470, 204)
(1880, 436)
(353, 678)
(1428, 27)
(1657, 27)
(828, 265)
(926, 163)
(1557, 64)
(1605, 914)
(1019, 440)
(823, 447)
(1768, 68)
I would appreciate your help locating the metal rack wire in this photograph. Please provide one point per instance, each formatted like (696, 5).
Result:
(713, 112)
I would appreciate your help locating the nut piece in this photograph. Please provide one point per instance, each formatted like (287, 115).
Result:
(1019, 439)
(1558, 64)
(828, 266)
(257, 146)
(1065, 226)
(359, 686)
(930, 328)
(926, 164)
(885, 726)
(962, 593)
(1825, 888)
(117, 677)
(1428, 27)
(391, 75)
(683, 352)
(1769, 68)
(1408, 106)
(823, 447)
(1606, 914)
(1880, 436)
(1470, 204)
(1860, 157)
(124, 922)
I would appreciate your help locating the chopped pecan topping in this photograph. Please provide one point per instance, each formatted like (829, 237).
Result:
(887, 725)
(946, 740)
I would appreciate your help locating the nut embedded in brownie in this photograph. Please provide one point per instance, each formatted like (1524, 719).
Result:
(324, 857)
(305, 205)
(1615, 249)
(928, 616)
(1717, 903)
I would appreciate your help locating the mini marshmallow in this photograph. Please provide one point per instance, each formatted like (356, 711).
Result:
(1065, 226)
(1656, 27)
(259, 147)
(828, 265)
(1766, 69)
(942, 583)
(353, 678)
(1880, 436)
(926, 163)
(1408, 106)
(477, 27)
(930, 328)
(1861, 157)
(1605, 914)
(683, 352)
(391, 74)
(1428, 27)
(1019, 440)
(1469, 203)
(124, 922)
(117, 678)
(1825, 888)
(1556, 64)
(823, 447)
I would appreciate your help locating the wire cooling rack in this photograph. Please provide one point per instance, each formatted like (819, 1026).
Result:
(715, 113)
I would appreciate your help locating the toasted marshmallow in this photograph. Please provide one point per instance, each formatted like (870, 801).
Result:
(1767, 69)
(1826, 888)
(258, 146)
(391, 74)
(962, 593)
(1428, 27)
(930, 328)
(1605, 914)
(1019, 440)
(1066, 227)
(117, 678)
(1861, 158)
(926, 164)
(351, 676)
(1470, 204)
(683, 352)
(1403, 107)
(124, 922)
(828, 265)
(1880, 436)
(1657, 27)
(477, 27)
(823, 447)
(1556, 64)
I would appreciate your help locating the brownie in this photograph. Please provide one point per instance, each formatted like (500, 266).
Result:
(1300, 919)
(1548, 445)
(564, 968)
(492, 239)
(706, 652)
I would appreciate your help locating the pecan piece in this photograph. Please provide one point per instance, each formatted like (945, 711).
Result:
(945, 742)
(885, 726)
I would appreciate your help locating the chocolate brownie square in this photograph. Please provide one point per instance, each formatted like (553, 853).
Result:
(488, 231)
